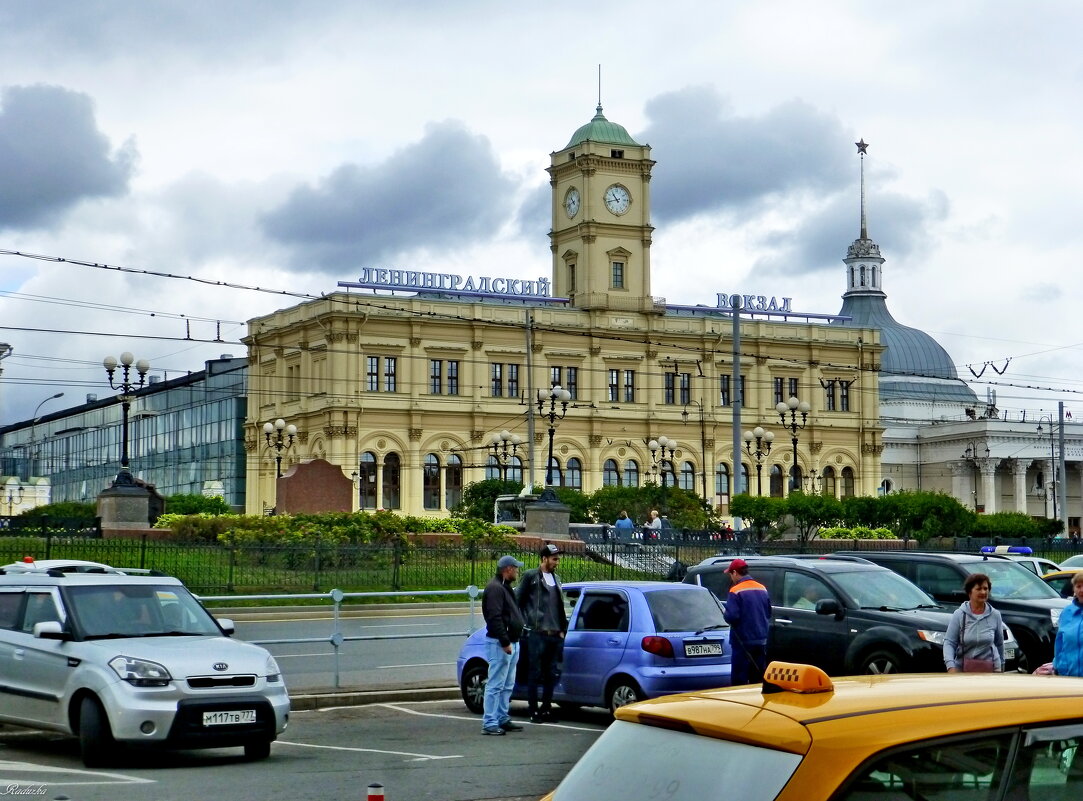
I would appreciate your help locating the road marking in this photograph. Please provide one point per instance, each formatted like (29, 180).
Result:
(416, 664)
(416, 757)
(25, 767)
(477, 719)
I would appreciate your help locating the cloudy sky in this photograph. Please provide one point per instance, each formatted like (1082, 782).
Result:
(286, 145)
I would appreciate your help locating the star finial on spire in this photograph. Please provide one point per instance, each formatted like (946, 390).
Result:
(862, 147)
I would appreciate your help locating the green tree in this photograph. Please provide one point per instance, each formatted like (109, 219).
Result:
(578, 504)
(812, 512)
(196, 504)
(63, 509)
(865, 510)
(1005, 524)
(925, 515)
(759, 513)
(479, 497)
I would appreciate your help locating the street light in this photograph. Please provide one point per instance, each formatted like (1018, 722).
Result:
(554, 396)
(1052, 458)
(794, 407)
(971, 455)
(814, 483)
(127, 386)
(280, 437)
(662, 450)
(14, 498)
(33, 426)
(504, 445)
(763, 441)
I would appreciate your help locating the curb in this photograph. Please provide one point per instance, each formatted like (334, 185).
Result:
(336, 698)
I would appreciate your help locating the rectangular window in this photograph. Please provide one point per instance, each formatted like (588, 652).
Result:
(844, 396)
(571, 278)
(724, 394)
(616, 154)
(686, 388)
(778, 391)
(513, 380)
(829, 396)
(793, 387)
(390, 364)
(453, 378)
(741, 390)
(436, 377)
(572, 386)
(498, 380)
(670, 389)
(618, 275)
(372, 373)
(614, 385)
(630, 386)
(555, 375)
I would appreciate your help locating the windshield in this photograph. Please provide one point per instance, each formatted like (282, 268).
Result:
(1012, 581)
(631, 760)
(876, 589)
(136, 610)
(681, 610)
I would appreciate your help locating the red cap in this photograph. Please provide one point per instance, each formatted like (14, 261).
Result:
(736, 564)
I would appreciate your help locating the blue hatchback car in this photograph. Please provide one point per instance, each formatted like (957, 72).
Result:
(626, 641)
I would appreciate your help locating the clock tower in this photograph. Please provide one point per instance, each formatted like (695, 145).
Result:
(601, 234)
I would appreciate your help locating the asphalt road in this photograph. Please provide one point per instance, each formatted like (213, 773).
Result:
(419, 751)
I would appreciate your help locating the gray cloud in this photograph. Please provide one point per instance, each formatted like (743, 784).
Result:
(52, 155)
(444, 190)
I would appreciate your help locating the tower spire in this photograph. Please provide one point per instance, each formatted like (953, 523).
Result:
(862, 146)
(863, 260)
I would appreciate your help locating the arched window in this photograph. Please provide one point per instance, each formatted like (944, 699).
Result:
(886, 486)
(688, 476)
(492, 468)
(392, 484)
(742, 489)
(453, 481)
(575, 474)
(631, 473)
(431, 482)
(515, 469)
(776, 481)
(830, 482)
(367, 481)
(847, 482)
(722, 479)
(553, 474)
(610, 474)
(666, 476)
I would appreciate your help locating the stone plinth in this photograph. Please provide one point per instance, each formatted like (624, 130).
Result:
(123, 508)
(548, 519)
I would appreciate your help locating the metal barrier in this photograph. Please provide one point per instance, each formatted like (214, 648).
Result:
(337, 638)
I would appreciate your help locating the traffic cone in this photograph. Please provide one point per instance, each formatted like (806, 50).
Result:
(376, 792)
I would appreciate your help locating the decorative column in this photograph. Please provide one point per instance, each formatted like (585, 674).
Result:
(959, 472)
(1019, 483)
(1049, 486)
(988, 468)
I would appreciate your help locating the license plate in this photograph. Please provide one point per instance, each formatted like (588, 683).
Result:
(703, 649)
(1009, 653)
(229, 718)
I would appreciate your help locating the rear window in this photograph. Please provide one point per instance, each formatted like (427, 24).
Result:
(684, 610)
(631, 760)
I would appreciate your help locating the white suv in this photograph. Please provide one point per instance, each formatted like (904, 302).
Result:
(132, 660)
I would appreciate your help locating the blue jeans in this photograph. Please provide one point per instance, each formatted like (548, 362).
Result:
(500, 683)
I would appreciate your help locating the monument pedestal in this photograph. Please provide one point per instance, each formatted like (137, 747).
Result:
(129, 503)
(548, 518)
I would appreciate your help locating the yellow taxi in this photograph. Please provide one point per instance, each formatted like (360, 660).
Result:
(802, 736)
(1061, 581)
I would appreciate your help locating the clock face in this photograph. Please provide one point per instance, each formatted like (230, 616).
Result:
(571, 202)
(617, 199)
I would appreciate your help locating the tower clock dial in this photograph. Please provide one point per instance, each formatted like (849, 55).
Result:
(571, 202)
(617, 199)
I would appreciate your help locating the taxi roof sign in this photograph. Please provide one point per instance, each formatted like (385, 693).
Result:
(795, 677)
(1022, 550)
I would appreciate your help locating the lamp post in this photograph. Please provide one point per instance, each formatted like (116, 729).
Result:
(33, 427)
(548, 400)
(794, 407)
(504, 445)
(127, 386)
(971, 455)
(702, 440)
(814, 483)
(1052, 458)
(280, 437)
(662, 450)
(763, 440)
(14, 498)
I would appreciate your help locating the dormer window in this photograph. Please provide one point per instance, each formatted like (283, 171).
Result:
(571, 157)
(616, 154)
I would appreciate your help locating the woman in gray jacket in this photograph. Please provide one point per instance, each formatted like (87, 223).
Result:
(974, 642)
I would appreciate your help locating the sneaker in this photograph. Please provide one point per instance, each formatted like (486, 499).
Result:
(495, 732)
(508, 725)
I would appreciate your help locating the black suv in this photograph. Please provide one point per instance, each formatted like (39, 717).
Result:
(842, 615)
(1029, 606)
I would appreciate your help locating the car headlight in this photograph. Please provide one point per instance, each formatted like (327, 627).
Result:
(140, 672)
(1054, 615)
(271, 669)
(935, 637)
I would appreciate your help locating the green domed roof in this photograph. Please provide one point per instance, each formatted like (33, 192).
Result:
(600, 129)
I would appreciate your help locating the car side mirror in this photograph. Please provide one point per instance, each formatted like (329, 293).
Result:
(829, 606)
(50, 630)
(226, 625)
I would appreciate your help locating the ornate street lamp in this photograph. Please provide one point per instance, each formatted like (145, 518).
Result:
(127, 386)
(504, 445)
(662, 450)
(36, 454)
(280, 437)
(548, 400)
(14, 498)
(763, 440)
(794, 407)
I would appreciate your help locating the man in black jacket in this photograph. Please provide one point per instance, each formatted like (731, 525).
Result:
(542, 603)
(503, 628)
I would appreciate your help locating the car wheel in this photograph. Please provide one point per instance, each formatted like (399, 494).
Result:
(622, 692)
(472, 686)
(881, 661)
(95, 737)
(257, 749)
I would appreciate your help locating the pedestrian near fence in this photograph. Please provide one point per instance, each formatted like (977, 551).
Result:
(541, 601)
(503, 628)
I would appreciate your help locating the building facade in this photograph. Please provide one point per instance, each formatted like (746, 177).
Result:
(404, 392)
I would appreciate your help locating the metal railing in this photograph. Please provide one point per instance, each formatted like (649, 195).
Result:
(336, 597)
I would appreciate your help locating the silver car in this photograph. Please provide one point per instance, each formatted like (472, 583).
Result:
(131, 660)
